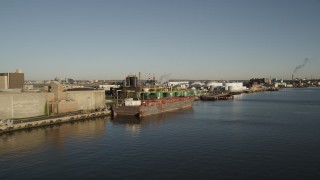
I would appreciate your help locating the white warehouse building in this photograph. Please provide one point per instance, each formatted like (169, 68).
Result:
(178, 83)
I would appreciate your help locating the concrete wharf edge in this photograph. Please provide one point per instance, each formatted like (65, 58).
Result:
(52, 121)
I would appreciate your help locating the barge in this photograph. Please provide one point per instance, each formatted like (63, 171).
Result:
(141, 108)
(216, 97)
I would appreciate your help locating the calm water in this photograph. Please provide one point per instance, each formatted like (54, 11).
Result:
(271, 135)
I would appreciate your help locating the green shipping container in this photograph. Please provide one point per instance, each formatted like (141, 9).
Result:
(145, 95)
(159, 95)
(168, 94)
(178, 93)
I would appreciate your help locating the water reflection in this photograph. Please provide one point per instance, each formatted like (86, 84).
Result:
(55, 136)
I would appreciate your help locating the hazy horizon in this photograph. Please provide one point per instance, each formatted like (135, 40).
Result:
(190, 39)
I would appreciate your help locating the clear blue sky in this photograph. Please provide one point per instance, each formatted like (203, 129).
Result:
(187, 39)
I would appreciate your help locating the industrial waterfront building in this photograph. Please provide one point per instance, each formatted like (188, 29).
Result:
(11, 80)
(30, 104)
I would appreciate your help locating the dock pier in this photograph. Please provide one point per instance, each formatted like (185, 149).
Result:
(32, 123)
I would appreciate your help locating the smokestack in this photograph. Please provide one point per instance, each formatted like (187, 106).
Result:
(139, 81)
(292, 77)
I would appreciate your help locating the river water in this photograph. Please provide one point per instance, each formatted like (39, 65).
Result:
(270, 135)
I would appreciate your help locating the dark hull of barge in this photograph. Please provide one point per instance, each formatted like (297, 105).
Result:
(151, 107)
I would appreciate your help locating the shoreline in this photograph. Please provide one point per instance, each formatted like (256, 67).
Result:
(32, 123)
(230, 95)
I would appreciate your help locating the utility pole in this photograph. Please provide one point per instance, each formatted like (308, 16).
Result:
(118, 96)
(12, 112)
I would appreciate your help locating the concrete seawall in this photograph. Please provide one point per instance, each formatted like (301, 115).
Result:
(51, 121)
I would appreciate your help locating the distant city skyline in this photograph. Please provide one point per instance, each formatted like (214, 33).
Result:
(175, 39)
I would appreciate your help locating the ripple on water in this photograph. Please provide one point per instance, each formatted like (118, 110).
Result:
(255, 136)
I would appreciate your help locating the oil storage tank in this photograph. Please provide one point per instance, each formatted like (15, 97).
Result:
(233, 86)
(131, 81)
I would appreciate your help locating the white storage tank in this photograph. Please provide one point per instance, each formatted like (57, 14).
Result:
(214, 84)
(232, 89)
(234, 86)
(18, 70)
